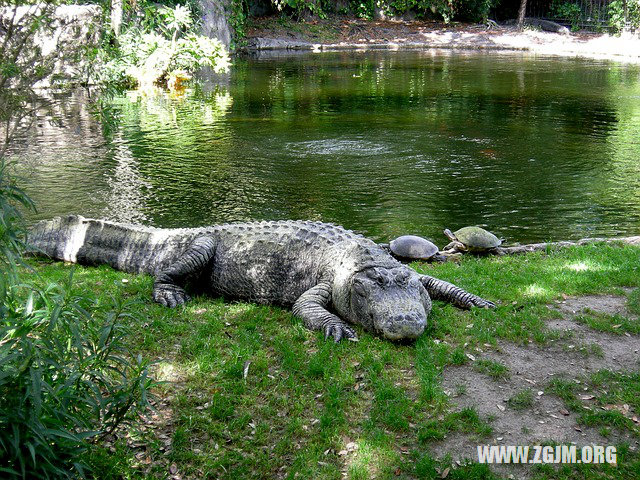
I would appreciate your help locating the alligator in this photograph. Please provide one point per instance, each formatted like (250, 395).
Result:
(327, 275)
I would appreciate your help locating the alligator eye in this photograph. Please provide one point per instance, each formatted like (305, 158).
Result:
(358, 287)
(376, 276)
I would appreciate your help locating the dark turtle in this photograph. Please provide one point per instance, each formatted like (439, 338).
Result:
(411, 248)
(472, 239)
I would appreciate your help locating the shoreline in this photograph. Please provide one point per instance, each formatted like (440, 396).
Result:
(357, 35)
(518, 249)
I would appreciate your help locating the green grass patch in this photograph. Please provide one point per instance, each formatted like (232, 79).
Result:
(605, 399)
(492, 368)
(633, 301)
(466, 420)
(521, 400)
(602, 322)
(252, 393)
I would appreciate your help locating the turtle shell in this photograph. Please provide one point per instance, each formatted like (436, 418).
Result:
(413, 247)
(476, 238)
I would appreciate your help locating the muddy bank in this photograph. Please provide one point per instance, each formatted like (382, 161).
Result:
(350, 34)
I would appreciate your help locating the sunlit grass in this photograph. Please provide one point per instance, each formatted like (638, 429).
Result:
(253, 394)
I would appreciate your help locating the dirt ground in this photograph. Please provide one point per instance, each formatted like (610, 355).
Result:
(343, 33)
(578, 352)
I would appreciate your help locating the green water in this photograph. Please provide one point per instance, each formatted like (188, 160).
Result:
(386, 143)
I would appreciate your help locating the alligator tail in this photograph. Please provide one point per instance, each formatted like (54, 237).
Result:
(129, 248)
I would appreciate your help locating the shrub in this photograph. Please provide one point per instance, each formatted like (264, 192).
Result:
(475, 10)
(568, 11)
(152, 57)
(66, 374)
(617, 19)
(12, 228)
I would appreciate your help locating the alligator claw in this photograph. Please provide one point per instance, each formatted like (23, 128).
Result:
(482, 303)
(169, 295)
(338, 332)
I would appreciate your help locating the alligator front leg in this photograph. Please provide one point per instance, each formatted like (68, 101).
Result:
(448, 292)
(166, 288)
(312, 307)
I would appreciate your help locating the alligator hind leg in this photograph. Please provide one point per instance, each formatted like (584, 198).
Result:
(448, 292)
(167, 289)
(312, 305)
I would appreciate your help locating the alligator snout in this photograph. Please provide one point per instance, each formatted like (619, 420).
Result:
(405, 326)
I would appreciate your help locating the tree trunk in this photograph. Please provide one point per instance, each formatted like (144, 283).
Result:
(116, 16)
(521, 13)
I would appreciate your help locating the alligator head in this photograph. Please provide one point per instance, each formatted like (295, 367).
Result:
(391, 302)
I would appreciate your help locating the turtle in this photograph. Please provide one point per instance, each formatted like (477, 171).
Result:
(473, 240)
(411, 248)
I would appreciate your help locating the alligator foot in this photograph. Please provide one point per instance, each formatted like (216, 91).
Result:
(448, 292)
(312, 308)
(169, 295)
(338, 331)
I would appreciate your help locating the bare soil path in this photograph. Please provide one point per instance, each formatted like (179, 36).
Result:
(339, 33)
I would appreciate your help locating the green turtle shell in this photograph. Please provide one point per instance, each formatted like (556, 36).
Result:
(413, 247)
(476, 238)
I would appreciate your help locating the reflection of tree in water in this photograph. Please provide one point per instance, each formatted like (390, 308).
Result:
(179, 148)
(387, 145)
(127, 195)
(510, 142)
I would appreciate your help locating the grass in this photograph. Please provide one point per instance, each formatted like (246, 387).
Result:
(615, 324)
(494, 369)
(605, 399)
(252, 393)
(521, 400)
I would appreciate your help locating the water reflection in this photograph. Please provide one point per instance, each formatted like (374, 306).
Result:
(384, 142)
(127, 196)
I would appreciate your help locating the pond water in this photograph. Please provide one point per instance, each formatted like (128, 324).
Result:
(385, 143)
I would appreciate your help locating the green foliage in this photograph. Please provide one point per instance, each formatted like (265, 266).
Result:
(475, 10)
(165, 55)
(23, 64)
(447, 10)
(65, 372)
(66, 376)
(568, 11)
(617, 18)
(364, 8)
(302, 8)
(238, 21)
(12, 229)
